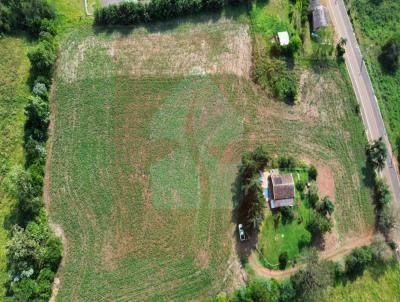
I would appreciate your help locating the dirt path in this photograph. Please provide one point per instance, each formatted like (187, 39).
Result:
(325, 255)
(57, 229)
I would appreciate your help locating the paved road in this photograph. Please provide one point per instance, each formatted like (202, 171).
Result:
(362, 85)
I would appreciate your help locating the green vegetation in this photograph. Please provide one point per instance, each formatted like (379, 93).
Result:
(252, 203)
(33, 252)
(286, 230)
(169, 140)
(13, 91)
(134, 12)
(374, 285)
(375, 24)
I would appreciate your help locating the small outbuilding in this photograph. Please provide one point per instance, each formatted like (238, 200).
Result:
(319, 15)
(282, 189)
(283, 38)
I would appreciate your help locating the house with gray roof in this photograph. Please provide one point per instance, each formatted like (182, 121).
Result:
(319, 14)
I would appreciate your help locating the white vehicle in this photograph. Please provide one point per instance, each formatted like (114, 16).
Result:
(242, 236)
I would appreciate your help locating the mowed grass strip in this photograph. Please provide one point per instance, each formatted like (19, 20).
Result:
(136, 234)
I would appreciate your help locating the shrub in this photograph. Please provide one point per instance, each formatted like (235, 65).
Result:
(385, 221)
(42, 58)
(287, 162)
(28, 14)
(313, 194)
(326, 206)
(287, 214)
(35, 152)
(319, 225)
(37, 115)
(377, 154)
(312, 173)
(381, 252)
(40, 90)
(390, 55)
(5, 19)
(382, 195)
(357, 261)
(286, 291)
(310, 283)
(304, 241)
(272, 73)
(136, 12)
(254, 161)
(283, 260)
(45, 284)
(300, 186)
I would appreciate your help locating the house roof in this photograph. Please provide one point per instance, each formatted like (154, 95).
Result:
(282, 187)
(282, 203)
(319, 17)
(283, 38)
(313, 5)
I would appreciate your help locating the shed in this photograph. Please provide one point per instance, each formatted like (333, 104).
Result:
(283, 38)
(319, 17)
(283, 192)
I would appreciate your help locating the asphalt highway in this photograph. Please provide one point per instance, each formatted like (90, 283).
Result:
(364, 91)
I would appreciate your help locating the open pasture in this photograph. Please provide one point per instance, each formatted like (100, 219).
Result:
(148, 130)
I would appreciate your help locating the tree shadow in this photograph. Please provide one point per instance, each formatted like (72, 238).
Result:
(243, 248)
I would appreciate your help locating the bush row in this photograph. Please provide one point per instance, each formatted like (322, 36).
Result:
(137, 12)
(310, 282)
(34, 252)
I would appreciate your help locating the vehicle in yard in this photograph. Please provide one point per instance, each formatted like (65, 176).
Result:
(242, 235)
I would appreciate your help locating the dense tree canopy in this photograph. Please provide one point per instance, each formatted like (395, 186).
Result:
(377, 153)
(390, 55)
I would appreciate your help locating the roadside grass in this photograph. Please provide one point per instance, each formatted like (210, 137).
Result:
(374, 25)
(371, 286)
(283, 236)
(150, 126)
(14, 66)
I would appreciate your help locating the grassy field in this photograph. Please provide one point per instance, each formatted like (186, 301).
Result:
(150, 124)
(372, 286)
(14, 66)
(375, 22)
(285, 236)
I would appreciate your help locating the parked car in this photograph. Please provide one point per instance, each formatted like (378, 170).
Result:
(242, 235)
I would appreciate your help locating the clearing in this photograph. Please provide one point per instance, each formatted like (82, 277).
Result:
(150, 124)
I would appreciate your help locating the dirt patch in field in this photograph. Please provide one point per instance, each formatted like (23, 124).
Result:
(326, 182)
(202, 258)
(220, 48)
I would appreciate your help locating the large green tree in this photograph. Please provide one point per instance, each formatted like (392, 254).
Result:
(377, 153)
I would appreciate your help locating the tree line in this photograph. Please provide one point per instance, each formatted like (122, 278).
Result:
(32, 16)
(33, 252)
(137, 12)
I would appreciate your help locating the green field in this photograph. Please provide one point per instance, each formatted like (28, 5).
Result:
(372, 286)
(150, 125)
(375, 22)
(14, 66)
(285, 236)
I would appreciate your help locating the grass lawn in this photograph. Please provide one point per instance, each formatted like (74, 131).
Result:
(372, 286)
(375, 22)
(14, 66)
(285, 236)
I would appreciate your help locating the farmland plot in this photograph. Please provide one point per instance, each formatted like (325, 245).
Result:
(148, 133)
